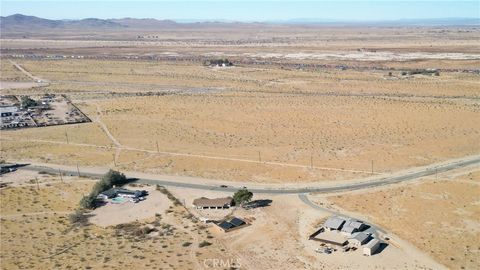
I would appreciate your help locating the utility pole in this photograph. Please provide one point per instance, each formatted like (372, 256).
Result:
(60, 173)
(259, 157)
(66, 135)
(436, 173)
(78, 170)
(158, 150)
(372, 166)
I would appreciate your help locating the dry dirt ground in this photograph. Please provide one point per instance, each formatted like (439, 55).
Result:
(277, 238)
(251, 124)
(36, 232)
(439, 216)
(270, 119)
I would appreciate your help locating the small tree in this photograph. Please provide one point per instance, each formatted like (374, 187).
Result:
(114, 178)
(28, 102)
(242, 196)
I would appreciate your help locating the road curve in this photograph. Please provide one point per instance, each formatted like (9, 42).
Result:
(387, 180)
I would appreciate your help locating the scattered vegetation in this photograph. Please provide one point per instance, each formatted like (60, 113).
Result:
(79, 218)
(27, 102)
(204, 244)
(110, 179)
(170, 196)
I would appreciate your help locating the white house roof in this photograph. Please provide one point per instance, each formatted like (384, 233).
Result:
(348, 229)
(7, 109)
(372, 243)
(334, 223)
(356, 224)
(361, 237)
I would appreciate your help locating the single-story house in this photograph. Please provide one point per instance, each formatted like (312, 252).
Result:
(334, 223)
(370, 248)
(121, 192)
(359, 239)
(217, 203)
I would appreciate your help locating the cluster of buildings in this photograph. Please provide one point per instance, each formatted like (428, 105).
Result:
(225, 225)
(347, 233)
(47, 110)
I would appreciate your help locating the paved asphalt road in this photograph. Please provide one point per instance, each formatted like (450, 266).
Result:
(341, 187)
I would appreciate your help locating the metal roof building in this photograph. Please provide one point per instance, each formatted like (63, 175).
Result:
(231, 224)
(334, 223)
(359, 239)
(370, 248)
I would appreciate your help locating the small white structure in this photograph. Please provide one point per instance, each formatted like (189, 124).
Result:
(370, 248)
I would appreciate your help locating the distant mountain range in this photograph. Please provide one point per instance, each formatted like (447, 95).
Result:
(20, 22)
(24, 22)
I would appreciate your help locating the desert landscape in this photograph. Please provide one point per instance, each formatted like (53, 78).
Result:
(373, 124)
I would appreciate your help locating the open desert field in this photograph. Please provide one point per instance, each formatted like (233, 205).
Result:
(439, 216)
(247, 123)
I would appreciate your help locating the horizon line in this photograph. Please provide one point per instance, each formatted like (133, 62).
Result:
(291, 20)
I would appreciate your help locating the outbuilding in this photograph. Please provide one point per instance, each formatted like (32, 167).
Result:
(370, 248)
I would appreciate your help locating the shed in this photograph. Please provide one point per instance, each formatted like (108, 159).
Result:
(370, 248)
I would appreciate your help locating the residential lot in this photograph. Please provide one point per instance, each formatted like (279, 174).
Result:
(440, 217)
(36, 228)
(46, 110)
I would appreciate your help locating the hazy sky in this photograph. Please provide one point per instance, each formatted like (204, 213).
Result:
(237, 10)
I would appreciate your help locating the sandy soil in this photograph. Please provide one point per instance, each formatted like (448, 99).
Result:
(438, 216)
(277, 238)
(36, 232)
(287, 119)
(113, 214)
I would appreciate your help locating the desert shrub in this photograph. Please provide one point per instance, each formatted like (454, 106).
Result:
(204, 244)
(110, 179)
(186, 244)
(170, 196)
(27, 102)
(78, 218)
(88, 202)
